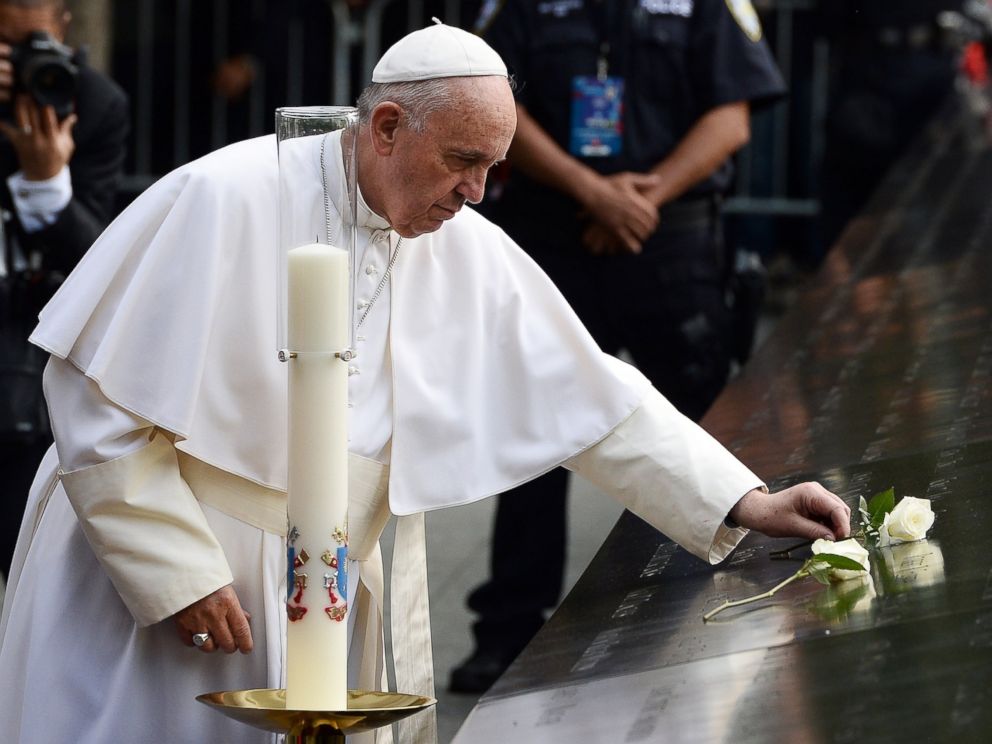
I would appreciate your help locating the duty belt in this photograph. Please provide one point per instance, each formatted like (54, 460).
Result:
(691, 214)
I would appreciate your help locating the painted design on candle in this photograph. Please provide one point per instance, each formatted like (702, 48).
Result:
(291, 539)
(301, 584)
(294, 580)
(294, 609)
(342, 566)
(290, 560)
(330, 584)
(337, 558)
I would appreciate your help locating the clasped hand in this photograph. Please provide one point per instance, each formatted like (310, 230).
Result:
(623, 216)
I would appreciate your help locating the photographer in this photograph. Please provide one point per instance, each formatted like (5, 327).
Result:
(62, 134)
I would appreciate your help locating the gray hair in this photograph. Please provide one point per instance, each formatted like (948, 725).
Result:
(418, 99)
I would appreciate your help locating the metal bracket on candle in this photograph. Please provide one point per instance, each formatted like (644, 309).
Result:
(346, 355)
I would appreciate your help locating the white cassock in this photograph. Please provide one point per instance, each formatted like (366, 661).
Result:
(169, 412)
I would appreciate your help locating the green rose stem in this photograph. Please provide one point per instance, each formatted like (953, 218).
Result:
(819, 567)
(802, 573)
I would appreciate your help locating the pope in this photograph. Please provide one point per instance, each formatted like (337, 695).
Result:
(158, 520)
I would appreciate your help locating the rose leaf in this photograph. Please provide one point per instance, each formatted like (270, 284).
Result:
(880, 505)
(837, 561)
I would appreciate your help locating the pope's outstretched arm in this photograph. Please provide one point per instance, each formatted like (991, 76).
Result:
(675, 476)
(145, 526)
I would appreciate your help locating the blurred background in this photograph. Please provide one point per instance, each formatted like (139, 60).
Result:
(863, 75)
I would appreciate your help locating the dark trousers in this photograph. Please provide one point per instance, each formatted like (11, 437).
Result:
(25, 433)
(667, 308)
(18, 465)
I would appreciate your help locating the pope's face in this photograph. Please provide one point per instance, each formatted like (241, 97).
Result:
(434, 172)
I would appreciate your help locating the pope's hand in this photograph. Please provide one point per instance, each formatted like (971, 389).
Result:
(219, 614)
(807, 510)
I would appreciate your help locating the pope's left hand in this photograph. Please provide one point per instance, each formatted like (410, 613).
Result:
(221, 617)
(806, 510)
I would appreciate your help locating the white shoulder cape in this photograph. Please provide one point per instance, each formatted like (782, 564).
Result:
(173, 314)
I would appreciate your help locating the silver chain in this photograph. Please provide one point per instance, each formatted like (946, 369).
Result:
(327, 228)
(382, 283)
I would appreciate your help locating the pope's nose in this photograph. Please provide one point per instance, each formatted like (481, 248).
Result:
(473, 187)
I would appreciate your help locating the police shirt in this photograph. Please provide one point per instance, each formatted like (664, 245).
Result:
(677, 59)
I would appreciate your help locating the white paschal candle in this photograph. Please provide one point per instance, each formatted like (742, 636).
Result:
(317, 321)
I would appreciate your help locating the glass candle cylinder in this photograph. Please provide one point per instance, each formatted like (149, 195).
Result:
(318, 191)
(317, 199)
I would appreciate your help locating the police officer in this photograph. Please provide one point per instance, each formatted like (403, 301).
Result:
(628, 114)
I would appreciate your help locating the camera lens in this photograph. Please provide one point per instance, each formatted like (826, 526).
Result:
(51, 83)
(46, 70)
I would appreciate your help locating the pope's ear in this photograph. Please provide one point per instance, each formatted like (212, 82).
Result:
(385, 123)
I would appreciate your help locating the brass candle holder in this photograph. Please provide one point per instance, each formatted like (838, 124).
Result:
(266, 709)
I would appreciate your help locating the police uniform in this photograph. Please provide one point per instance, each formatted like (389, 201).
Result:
(673, 60)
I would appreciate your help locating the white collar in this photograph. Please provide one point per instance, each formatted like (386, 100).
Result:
(369, 219)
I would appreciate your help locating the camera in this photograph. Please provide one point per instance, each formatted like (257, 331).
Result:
(47, 71)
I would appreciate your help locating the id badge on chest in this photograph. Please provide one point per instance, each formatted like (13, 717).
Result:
(597, 116)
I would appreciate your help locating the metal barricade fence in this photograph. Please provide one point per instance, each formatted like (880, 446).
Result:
(778, 174)
(323, 51)
(311, 51)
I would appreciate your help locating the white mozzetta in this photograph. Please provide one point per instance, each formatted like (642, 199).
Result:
(493, 379)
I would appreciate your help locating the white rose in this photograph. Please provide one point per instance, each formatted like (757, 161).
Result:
(908, 521)
(849, 548)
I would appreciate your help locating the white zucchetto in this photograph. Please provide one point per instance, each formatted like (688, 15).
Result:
(438, 51)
